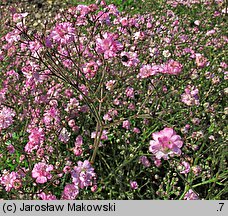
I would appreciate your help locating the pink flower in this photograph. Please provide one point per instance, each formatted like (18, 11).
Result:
(126, 124)
(190, 97)
(36, 138)
(103, 135)
(63, 33)
(185, 129)
(77, 150)
(109, 85)
(165, 143)
(131, 106)
(8, 180)
(129, 92)
(70, 192)
(30, 70)
(172, 67)
(83, 174)
(139, 35)
(185, 167)
(196, 170)
(129, 59)
(191, 195)
(11, 149)
(13, 36)
(144, 160)
(136, 130)
(134, 185)
(104, 17)
(83, 10)
(197, 22)
(1, 55)
(94, 188)
(107, 117)
(64, 135)
(71, 123)
(78, 141)
(44, 196)
(108, 46)
(148, 70)
(41, 172)
(6, 117)
(124, 21)
(90, 69)
(157, 162)
(66, 169)
(201, 61)
(35, 46)
(18, 16)
(211, 32)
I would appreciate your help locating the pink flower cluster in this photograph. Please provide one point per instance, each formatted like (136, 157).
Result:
(30, 70)
(49, 196)
(36, 138)
(70, 192)
(10, 180)
(191, 195)
(126, 124)
(170, 67)
(64, 135)
(90, 69)
(201, 61)
(83, 175)
(19, 16)
(63, 33)
(108, 45)
(148, 70)
(191, 96)
(165, 143)
(129, 59)
(6, 117)
(51, 117)
(41, 172)
(144, 160)
(78, 146)
(110, 115)
(104, 135)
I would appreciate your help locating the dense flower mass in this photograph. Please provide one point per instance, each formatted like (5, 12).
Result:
(165, 143)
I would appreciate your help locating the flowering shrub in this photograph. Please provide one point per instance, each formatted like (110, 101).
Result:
(97, 102)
